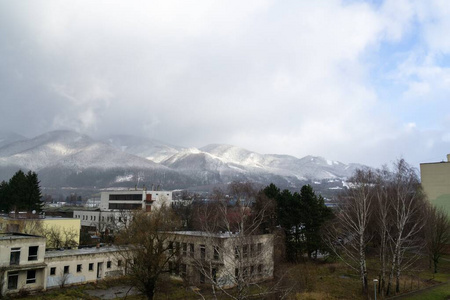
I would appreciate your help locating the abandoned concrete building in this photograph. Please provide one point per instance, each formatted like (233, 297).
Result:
(25, 265)
(221, 258)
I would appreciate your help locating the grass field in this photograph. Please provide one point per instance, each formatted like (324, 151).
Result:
(307, 280)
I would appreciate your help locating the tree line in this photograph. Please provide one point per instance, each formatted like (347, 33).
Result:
(385, 213)
(21, 193)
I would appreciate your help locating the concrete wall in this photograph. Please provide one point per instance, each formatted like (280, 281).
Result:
(23, 243)
(99, 270)
(250, 257)
(435, 178)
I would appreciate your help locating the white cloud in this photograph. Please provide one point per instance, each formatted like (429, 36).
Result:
(295, 77)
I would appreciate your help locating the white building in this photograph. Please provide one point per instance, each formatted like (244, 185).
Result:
(115, 207)
(26, 266)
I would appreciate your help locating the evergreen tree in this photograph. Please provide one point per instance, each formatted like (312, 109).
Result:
(301, 216)
(21, 192)
(33, 200)
(314, 213)
(4, 198)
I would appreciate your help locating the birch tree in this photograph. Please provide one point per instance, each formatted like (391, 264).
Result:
(407, 203)
(350, 236)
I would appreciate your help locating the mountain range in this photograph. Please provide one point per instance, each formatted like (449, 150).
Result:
(70, 159)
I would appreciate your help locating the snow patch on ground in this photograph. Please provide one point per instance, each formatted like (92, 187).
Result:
(126, 178)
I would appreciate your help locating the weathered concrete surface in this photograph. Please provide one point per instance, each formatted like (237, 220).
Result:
(113, 292)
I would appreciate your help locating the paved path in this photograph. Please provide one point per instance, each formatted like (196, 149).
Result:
(113, 292)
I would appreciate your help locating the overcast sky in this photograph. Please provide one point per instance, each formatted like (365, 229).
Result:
(354, 81)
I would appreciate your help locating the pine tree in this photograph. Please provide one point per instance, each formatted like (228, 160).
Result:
(21, 192)
(33, 200)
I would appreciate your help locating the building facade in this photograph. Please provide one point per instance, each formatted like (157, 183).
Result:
(435, 178)
(115, 208)
(25, 265)
(22, 263)
(224, 259)
(60, 229)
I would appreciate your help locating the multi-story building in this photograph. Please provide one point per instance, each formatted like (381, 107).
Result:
(25, 265)
(22, 263)
(222, 258)
(115, 207)
(435, 179)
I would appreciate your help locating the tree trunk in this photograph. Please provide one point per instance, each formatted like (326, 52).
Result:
(150, 290)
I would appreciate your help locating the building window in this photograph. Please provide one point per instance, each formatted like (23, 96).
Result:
(252, 250)
(236, 252)
(183, 270)
(66, 269)
(259, 249)
(202, 252)
(108, 264)
(52, 271)
(216, 252)
(119, 263)
(260, 268)
(103, 219)
(184, 246)
(177, 248)
(31, 276)
(79, 267)
(94, 218)
(15, 256)
(13, 278)
(214, 275)
(202, 277)
(170, 247)
(245, 251)
(236, 274)
(33, 252)
(191, 248)
(91, 267)
(245, 275)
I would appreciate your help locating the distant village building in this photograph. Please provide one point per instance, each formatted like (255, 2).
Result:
(435, 178)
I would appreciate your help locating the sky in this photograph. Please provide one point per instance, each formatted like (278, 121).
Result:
(354, 81)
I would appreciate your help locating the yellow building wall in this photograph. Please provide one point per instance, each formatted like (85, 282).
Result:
(68, 227)
(435, 179)
(65, 227)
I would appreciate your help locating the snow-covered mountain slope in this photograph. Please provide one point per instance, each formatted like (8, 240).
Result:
(67, 158)
(66, 153)
(154, 150)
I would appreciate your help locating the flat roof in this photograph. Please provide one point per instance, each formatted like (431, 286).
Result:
(83, 251)
(210, 234)
(14, 236)
(42, 218)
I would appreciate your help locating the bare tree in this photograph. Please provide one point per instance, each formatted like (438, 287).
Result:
(147, 248)
(349, 238)
(58, 237)
(231, 231)
(437, 234)
(407, 205)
